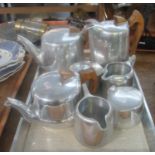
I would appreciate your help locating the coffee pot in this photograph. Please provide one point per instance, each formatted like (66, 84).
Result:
(59, 49)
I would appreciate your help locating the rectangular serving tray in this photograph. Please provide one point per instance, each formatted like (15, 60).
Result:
(39, 137)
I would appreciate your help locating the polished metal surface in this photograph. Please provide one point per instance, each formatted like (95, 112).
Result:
(117, 73)
(127, 103)
(59, 49)
(93, 122)
(52, 86)
(30, 29)
(135, 137)
(90, 129)
(109, 42)
(97, 69)
(82, 65)
(53, 98)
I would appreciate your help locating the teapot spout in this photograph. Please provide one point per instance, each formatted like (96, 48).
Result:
(30, 47)
(22, 108)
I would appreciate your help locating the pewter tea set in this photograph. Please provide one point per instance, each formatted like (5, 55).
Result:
(94, 96)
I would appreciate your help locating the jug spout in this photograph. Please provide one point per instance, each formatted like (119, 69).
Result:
(21, 107)
(31, 48)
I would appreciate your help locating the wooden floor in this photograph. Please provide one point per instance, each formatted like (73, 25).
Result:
(145, 67)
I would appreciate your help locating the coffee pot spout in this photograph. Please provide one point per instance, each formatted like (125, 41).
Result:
(31, 48)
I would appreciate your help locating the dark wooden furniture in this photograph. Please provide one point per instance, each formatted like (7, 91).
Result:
(10, 88)
(13, 116)
(146, 72)
(98, 9)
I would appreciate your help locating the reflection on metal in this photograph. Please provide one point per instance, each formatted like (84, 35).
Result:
(24, 127)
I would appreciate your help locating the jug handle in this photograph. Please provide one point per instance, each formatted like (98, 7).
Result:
(90, 75)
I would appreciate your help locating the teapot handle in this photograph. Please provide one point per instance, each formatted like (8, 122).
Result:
(91, 76)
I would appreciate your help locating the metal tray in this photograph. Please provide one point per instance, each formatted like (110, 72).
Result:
(39, 137)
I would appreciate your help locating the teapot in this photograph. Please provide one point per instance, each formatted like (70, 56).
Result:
(59, 49)
(53, 97)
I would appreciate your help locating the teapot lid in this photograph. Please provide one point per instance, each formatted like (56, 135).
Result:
(125, 98)
(59, 36)
(54, 87)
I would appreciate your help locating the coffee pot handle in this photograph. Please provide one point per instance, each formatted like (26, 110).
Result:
(90, 76)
